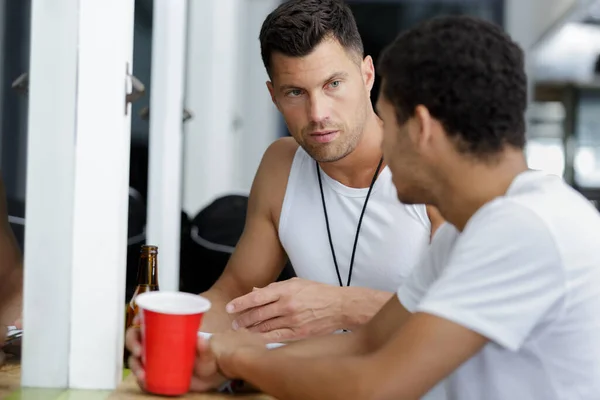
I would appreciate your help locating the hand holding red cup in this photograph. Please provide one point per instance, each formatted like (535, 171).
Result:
(169, 330)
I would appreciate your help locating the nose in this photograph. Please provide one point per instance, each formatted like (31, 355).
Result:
(318, 108)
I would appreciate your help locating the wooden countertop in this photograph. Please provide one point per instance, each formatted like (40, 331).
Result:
(129, 390)
(10, 382)
(10, 377)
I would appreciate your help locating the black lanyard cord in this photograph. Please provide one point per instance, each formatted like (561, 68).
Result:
(337, 270)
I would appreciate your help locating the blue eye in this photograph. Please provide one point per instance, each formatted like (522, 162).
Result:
(335, 84)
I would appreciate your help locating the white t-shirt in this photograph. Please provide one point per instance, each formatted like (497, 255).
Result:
(525, 273)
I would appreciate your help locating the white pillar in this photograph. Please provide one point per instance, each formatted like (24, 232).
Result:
(77, 193)
(166, 111)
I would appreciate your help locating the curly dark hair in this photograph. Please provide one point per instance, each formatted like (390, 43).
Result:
(468, 73)
(296, 27)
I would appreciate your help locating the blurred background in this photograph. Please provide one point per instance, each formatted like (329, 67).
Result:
(227, 106)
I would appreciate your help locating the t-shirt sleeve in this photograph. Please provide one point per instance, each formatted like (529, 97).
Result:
(503, 276)
(414, 288)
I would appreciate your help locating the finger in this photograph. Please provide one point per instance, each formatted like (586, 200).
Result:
(204, 385)
(258, 315)
(137, 319)
(203, 345)
(206, 362)
(280, 335)
(137, 369)
(272, 324)
(205, 367)
(253, 299)
(19, 323)
(133, 341)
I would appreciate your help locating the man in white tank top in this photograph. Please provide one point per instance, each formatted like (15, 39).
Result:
(506, 305)
(323, 197)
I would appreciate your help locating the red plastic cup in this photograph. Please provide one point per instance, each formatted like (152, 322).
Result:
(169, 324)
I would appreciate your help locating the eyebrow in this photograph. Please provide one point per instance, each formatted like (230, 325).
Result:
(335, 75)
(338, 75)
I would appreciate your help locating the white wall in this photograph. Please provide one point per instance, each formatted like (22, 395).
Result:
(529, 20)
(535, 22)
(259, 119)
(570, 55)
(234, 120)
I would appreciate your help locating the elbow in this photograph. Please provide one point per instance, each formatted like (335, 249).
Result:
(363, 343)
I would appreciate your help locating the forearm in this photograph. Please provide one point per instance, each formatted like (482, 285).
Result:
(302, 378)
(11, 278)
(217, 319)
(343, 344)
(11, 295)
(361, 304)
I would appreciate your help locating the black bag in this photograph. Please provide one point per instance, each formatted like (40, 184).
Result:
(214, 233)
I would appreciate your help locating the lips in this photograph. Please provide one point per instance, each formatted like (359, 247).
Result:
(324, 136)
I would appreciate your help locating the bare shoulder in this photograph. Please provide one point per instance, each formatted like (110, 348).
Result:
(271, 178)
(280, 154)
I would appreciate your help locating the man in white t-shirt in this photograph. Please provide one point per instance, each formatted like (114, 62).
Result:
(507, 303)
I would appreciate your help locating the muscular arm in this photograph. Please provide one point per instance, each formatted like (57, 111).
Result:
(258, 258)
(11, 268)
(401, 356)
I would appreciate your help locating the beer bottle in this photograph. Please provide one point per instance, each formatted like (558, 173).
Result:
(147, 279)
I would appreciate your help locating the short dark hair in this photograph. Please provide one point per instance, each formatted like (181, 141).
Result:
(468, 73)
(296, 27)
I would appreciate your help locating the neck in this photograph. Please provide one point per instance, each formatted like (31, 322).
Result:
(471, 185)
(357, 168)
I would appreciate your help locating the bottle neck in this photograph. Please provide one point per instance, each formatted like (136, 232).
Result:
(148, 270)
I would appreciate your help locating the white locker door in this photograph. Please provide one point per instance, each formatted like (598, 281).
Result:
(77, 193)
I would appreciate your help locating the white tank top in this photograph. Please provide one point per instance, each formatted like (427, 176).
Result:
(392, 235)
